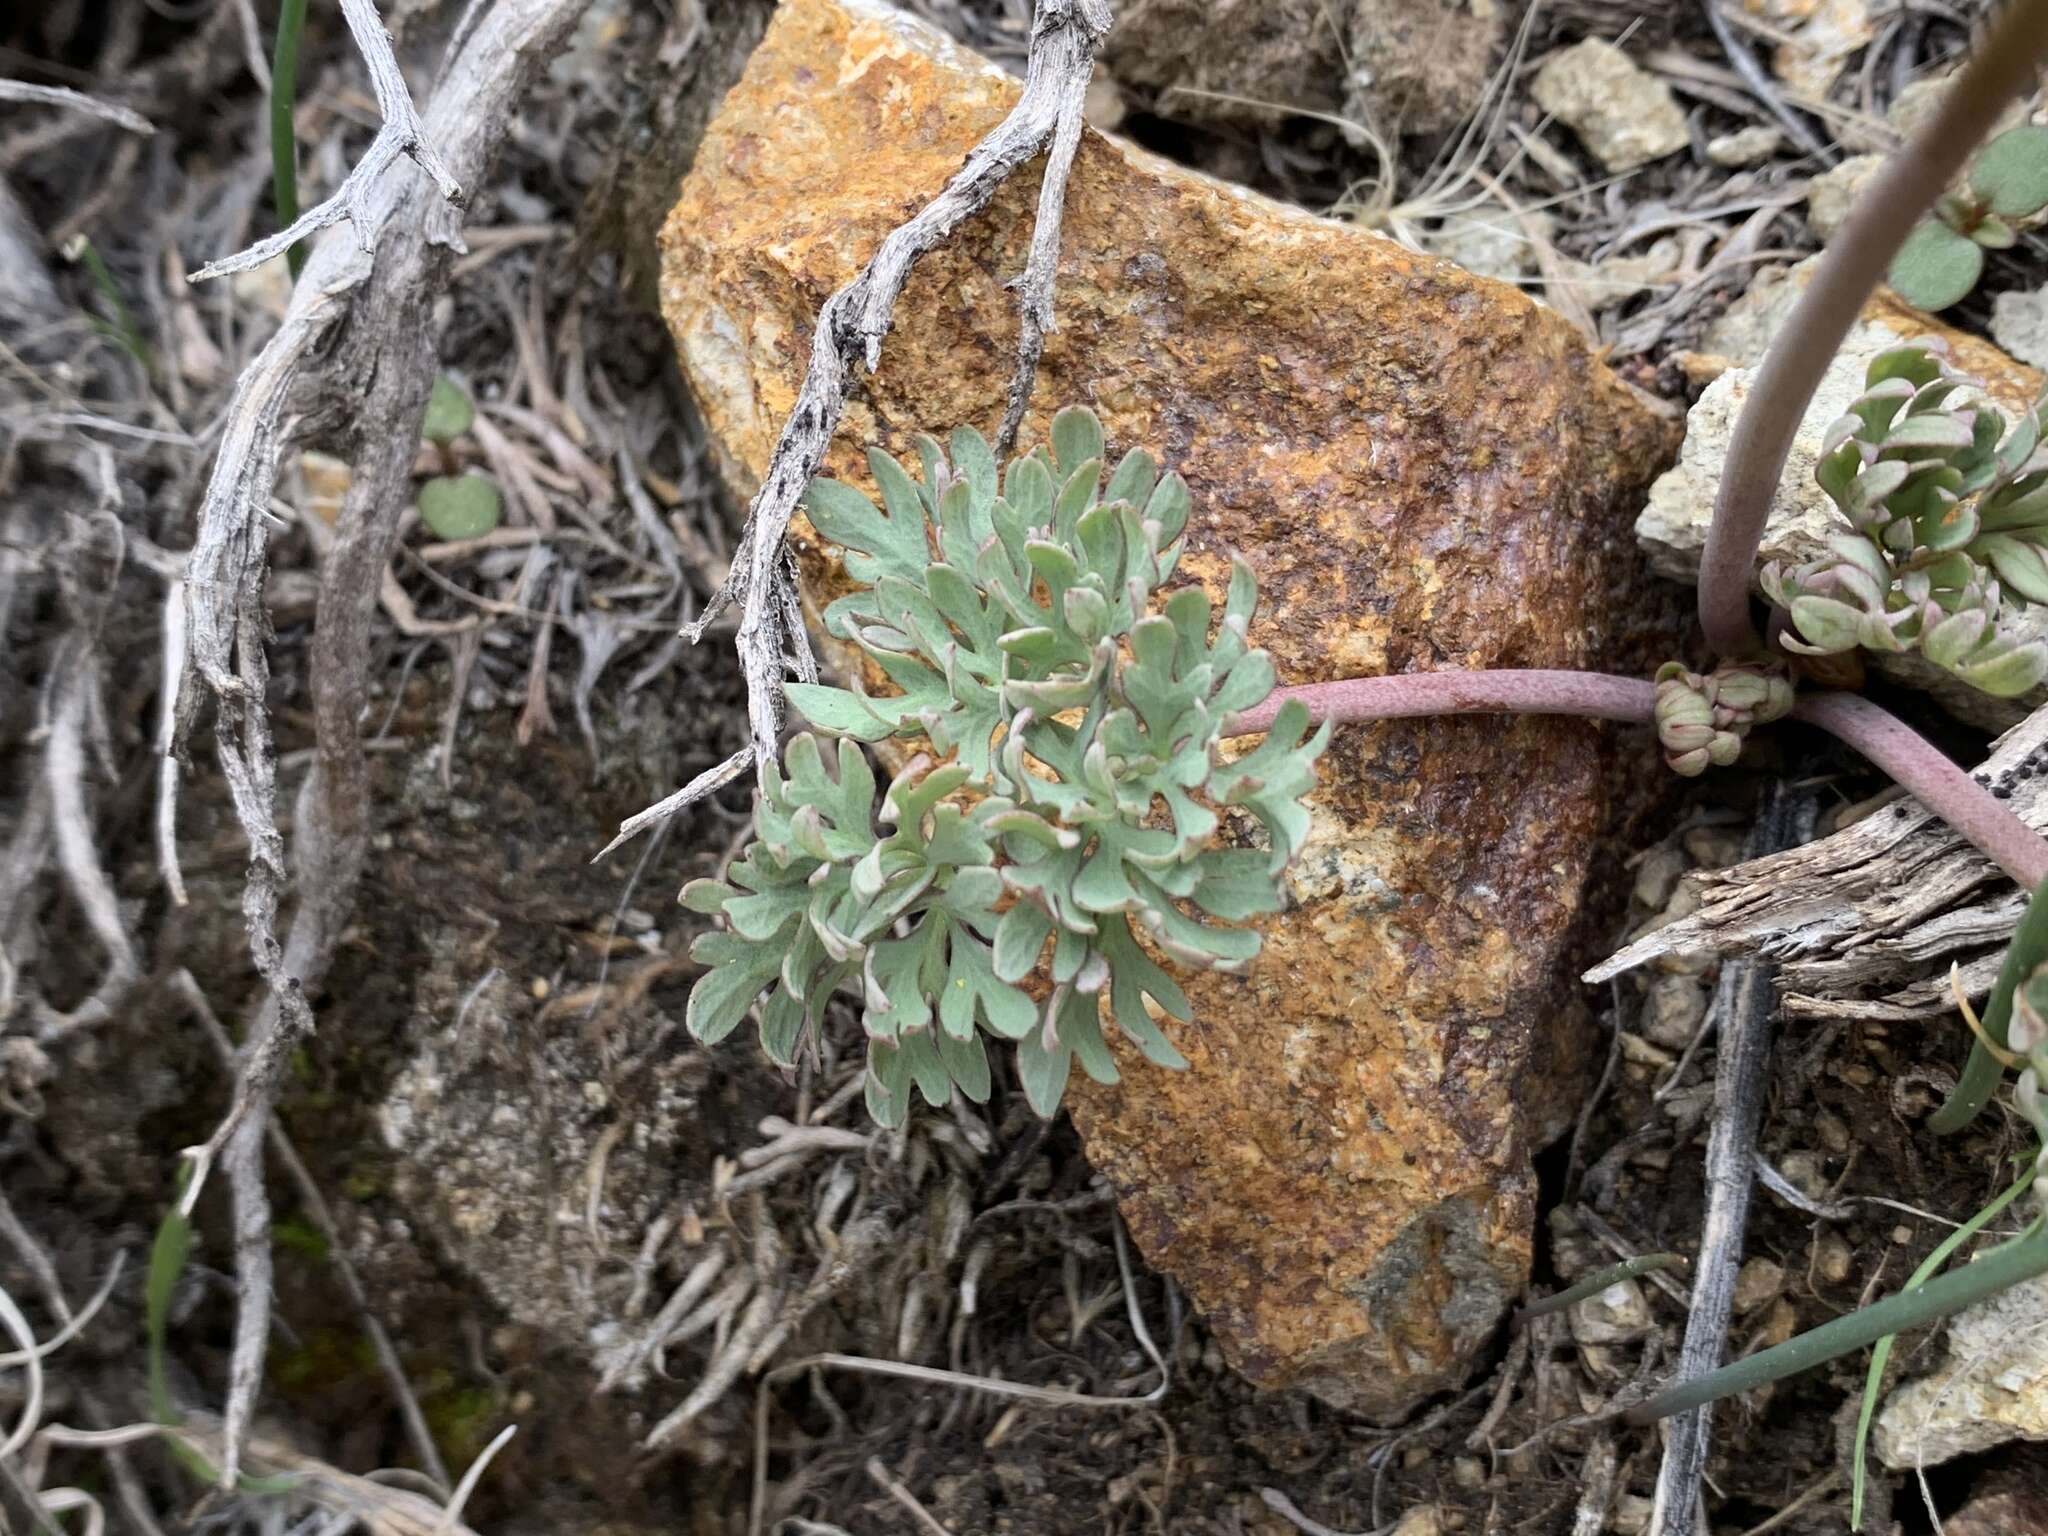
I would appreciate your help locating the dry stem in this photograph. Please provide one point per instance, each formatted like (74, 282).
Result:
(851, 326)
(400, 134)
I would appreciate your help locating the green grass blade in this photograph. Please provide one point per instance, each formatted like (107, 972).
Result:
(1881, 1353)
(284, 100)
(1999, 1270)
(1982, 1072)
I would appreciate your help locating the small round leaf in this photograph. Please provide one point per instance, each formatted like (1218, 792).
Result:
(449, 412)
(459, 506)
(2012, 172)
(1935, 267)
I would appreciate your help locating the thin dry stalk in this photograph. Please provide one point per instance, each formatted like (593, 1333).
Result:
(851, 326)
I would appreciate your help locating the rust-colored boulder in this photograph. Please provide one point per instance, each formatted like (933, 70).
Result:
(1427, 470)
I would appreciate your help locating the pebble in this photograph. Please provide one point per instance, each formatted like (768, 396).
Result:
(1830, 194)
(1658, 872)
(2019, 323)
(1832, 1259)
(1673, 1010)
(1714, 847)
(1757, 1283)
(1624, 116)
(1746, 146)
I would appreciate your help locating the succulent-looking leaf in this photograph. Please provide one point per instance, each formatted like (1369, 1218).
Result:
(449, 411)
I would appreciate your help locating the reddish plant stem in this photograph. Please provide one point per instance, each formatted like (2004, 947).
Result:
(1933, 780)
(1590, 695)
(1967, 806)
(2004, 62)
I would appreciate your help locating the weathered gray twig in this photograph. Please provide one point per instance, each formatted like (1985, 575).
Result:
(851, 325)
(1041, 266)
(401, 133)
(1745, 1002)
(388, 363)
(315, 1203)
(76, 101)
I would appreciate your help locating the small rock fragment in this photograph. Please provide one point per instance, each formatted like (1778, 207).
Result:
(1401, 66)
(1745, 146)
(1422, 1520)
(1658, 872)
(1832, 1258)
(1491, 242)
(2015, 1512)
(1992, 1388)
(2019, 323)
(1757, 1283)
(1673, 1010)
(1831, 194)
(1624, 115)
(1811, 58)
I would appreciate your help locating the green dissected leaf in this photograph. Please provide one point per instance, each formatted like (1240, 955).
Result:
(2011, 172)
(465, 506)
(1020, 938)
(838, 710)
(975, 992)
(739, 971)
(1076, 439)
(1077, 735)
(876, 546)
(1936, 266)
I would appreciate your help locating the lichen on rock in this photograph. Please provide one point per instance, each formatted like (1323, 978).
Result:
(1425, 470)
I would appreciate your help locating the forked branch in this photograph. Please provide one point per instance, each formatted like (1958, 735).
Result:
(851, 326)
(399, 134)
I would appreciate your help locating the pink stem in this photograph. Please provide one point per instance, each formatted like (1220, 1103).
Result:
(1967, 806)
(1987, 822)
(1592, 695)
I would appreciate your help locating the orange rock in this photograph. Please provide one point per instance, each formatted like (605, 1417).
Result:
(1426, 470)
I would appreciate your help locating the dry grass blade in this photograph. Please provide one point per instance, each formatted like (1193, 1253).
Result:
(76, 101)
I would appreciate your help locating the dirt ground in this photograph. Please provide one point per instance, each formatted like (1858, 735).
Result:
(503, 1126)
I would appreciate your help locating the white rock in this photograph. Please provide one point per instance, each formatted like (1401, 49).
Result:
(2019, 323)
(1746, 146)
(1811, 58)
(1491, 242)
(1992, 1388)
(1830, 194)
(1624, 115)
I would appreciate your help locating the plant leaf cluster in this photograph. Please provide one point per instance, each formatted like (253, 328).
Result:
(1075, 802)
(1944, 256)
(1948, 528)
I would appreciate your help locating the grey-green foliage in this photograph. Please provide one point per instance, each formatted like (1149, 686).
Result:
(1943, 257)
(1079, 797)
(1948, 535)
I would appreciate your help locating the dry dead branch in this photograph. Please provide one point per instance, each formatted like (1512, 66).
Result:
(1864, 924)
(384, 367)
(76, 101)
(851, 326)
(401, 133)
